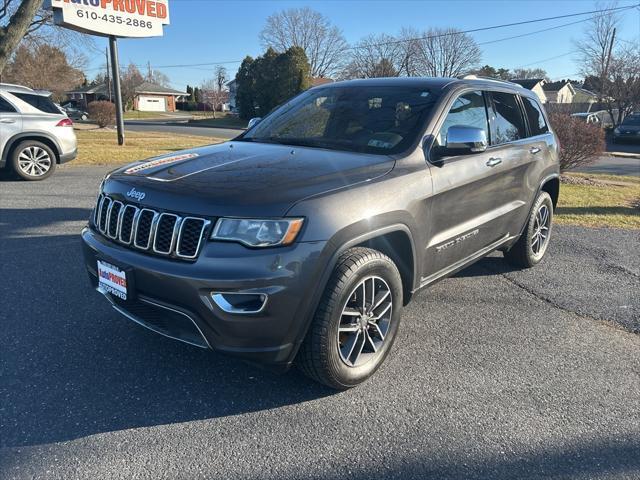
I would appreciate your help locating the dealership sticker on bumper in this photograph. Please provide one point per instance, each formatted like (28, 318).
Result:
(112, 279)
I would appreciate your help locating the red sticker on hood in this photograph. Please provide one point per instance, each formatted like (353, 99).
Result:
(160, 161)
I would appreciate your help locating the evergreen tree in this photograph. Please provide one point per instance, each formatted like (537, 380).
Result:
(270, 80)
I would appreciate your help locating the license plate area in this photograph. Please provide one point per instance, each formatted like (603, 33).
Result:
(114, 280)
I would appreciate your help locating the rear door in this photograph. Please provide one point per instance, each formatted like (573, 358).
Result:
(516, 150)
(542, 147)
(469, 192)
(10, 123)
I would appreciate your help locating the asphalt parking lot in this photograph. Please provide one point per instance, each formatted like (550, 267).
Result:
(496, 374)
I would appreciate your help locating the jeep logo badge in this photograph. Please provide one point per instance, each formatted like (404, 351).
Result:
(133, 193)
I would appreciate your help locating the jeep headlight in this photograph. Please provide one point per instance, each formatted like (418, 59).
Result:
(616, 130)
(258, 232)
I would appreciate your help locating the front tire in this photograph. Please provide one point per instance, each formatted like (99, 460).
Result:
(32, 160)
(356, 321)
(532, 245)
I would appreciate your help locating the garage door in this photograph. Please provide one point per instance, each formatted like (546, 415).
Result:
(152, 104)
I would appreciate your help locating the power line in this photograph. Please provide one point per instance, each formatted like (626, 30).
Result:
(537, 31)
(493, 27)
(444, 34)
(545, 60)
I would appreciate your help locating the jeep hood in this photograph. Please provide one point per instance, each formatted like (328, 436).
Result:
(241, 178)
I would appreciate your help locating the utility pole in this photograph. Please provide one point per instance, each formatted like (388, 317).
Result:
(115, 69)
(149, 72)
(605, 74)
(606, 65)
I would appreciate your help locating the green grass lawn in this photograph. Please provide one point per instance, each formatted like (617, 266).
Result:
(100, 146)
(613, 203)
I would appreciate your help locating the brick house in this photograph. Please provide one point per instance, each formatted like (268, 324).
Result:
(150, 97)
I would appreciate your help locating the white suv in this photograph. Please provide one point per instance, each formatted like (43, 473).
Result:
(35, 134)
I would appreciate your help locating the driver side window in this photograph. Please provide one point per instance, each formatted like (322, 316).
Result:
(468, 110)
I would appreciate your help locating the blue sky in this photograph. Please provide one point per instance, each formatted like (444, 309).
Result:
(204, 31)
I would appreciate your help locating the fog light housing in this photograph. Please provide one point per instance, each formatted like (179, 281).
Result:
(240, 303)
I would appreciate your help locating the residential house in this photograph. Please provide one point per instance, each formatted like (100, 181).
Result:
(533, 84)
(82, 96)
(151, 97)
(584, 96)
(233, 89)
(561, 91)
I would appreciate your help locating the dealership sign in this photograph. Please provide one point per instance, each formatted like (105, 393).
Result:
(119, 18)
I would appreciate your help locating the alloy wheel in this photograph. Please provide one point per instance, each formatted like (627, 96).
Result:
(541, 226)
(34, 161)
(365, 321)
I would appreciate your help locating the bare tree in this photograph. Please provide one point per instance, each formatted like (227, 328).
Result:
(375, 56)
(221, 77)
(621, 86)
(40, 30)
(440, 52)
(593, 49)
(611, 64)
(130, 79)
(43, 67)
(322, 42)
(213, 94)
(159, 78)
(20, 21)
(524, 73)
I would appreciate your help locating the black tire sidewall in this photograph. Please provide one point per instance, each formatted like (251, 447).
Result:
(347, 376)
(15, 153)
(543, 198)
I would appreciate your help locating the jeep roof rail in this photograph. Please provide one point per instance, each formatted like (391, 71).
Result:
(12, 87)
(491, 79)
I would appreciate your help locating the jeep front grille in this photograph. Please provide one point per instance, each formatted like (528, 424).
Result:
(162, 233)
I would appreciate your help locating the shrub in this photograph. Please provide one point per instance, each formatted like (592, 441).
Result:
(580, 142)
(103, 113)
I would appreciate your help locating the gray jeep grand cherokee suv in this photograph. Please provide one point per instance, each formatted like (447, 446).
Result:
(303, 238)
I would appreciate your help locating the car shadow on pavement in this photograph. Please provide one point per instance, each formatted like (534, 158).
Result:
(614, 457)
(492, 265)
(70, 366)
(18, 224)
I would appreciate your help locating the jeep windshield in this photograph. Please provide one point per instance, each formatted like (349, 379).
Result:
(380, 120)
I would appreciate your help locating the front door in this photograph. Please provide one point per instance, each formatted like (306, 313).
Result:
(469, 202)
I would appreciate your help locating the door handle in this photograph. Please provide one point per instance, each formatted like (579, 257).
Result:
(7, 120)
(534, 150)
(493, 161)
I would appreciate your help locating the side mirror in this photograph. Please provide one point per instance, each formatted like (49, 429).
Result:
(253, 121)
(463, 140)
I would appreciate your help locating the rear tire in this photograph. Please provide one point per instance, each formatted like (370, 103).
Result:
(532, 244)
(32, 160)
(354, 326)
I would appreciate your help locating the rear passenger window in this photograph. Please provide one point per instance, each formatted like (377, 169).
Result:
(508, 122)
(468, 110)
(6, 107)
(42, 103)
(537, 123)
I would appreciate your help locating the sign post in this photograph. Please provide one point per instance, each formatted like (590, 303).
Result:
(115, 68)
(113, 19)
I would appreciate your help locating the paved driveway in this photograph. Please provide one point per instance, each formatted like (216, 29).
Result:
(496, 374)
